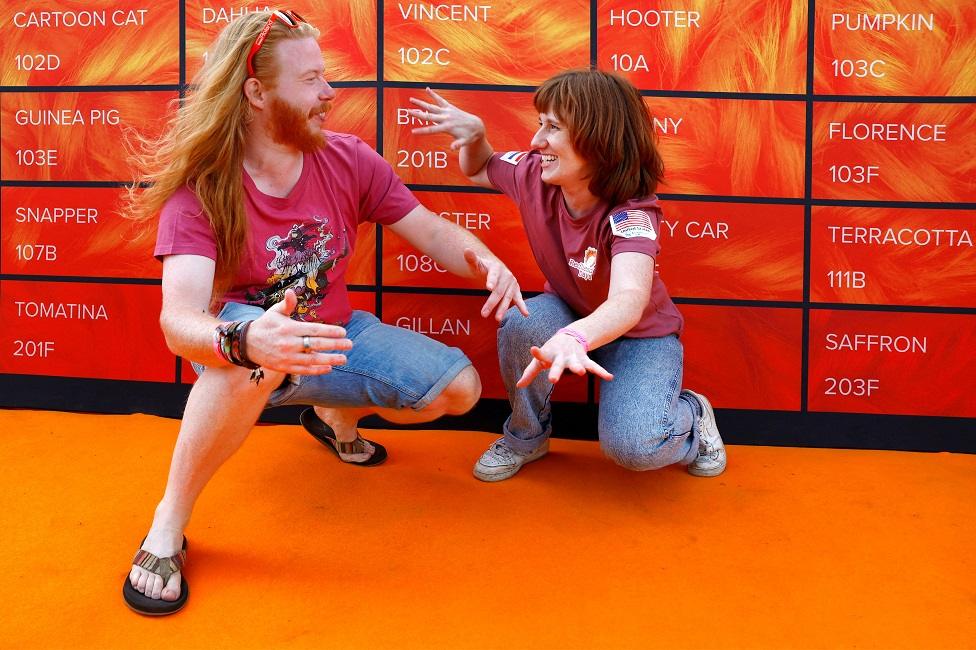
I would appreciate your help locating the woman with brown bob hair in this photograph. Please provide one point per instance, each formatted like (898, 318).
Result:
(585, 191)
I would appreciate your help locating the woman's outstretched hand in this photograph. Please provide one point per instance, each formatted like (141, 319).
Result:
(445, 117)
(561, 353)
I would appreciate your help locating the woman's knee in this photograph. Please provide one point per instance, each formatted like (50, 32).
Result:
(517, 329)
(546, 315)
(637, 450)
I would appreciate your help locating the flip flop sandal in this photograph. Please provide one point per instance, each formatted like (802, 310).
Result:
(324, 434)
(164, 567)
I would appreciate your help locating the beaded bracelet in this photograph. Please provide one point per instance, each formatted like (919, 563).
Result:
(576, 334)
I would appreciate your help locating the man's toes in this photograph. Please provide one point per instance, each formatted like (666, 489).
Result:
(141, 584)
(154, 586)
(172, 589)
(134, 576)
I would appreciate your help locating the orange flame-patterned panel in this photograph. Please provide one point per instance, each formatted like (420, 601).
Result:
(73, 232)
(737, 251)
(894, 152)
(509, 117)
(898, 363)
(756, 46)
(492, 218)
(502, 42)
(892, 47)
(69, 329)
(730, 147)
(75, 136)
(71, 43)
(744, 357)
(888, 256)
(347, 32)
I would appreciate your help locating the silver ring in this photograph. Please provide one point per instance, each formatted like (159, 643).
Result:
(306, 345)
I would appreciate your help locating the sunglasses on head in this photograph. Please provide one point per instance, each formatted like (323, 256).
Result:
(288, 18)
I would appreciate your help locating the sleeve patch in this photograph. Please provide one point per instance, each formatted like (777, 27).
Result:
(632, 223)
(514, 157)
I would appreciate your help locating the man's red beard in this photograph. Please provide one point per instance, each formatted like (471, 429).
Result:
(290, 126)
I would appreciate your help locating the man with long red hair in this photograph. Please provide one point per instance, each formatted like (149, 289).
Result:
(258, 210)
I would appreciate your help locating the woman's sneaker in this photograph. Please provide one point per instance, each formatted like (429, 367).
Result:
(501, 461)
(711, 458)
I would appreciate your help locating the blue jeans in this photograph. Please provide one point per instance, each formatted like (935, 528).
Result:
(390, 367)
(644, 421)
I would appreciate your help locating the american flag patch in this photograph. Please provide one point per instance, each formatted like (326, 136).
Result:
(514, 157)
(632, 223)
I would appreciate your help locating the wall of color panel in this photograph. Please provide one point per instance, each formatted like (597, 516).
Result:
(820, 199)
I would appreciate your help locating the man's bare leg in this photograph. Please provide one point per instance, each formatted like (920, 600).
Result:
(221, 411)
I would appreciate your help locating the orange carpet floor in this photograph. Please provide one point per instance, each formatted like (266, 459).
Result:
(790, 548)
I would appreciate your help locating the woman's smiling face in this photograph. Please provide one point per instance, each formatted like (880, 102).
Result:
(561, 165)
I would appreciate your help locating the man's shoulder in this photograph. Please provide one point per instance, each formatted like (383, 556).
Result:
(184, 201)
(341, 143)
(342, 151)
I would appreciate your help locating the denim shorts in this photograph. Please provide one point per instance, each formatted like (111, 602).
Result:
(390, 367)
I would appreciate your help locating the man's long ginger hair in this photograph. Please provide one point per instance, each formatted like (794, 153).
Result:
(202, 146)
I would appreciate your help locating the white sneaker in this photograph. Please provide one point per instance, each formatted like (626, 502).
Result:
(711, 458)
(501, 461)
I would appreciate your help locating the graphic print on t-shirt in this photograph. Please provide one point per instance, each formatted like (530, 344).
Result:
(302, 258)
(587, 266)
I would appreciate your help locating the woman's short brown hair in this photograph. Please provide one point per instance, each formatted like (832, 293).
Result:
(610, 127)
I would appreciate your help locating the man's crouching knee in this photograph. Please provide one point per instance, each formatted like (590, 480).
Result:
(462, 393)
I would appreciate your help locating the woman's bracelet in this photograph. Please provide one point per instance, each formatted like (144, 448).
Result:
(576, 334)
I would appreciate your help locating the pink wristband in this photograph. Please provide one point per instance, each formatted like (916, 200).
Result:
(576, 334)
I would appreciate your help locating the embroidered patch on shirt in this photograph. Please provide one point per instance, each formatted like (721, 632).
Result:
(587, 266)
(514, 157)
(632, 223)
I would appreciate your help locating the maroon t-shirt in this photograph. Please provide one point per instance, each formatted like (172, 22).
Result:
(575, 254)
(304, 240)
